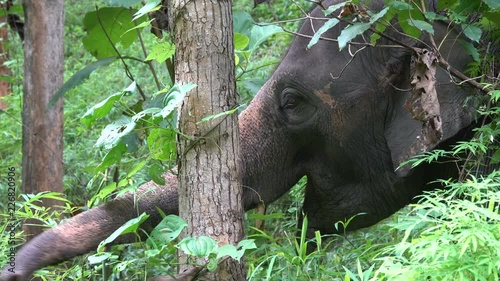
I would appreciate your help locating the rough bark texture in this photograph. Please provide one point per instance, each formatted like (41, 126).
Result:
(4, 70)
(210, 190)
(43, 75)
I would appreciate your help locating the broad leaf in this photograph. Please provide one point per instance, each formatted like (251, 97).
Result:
(351, 32)
(113, 132)
(101, 109)
(161, 52)
(99, 257)
(472, 32)
(240, 41)
(404, 18)
(155, 172)
(470, 49)
(201, 247)
(260, 34)
(422, 25)
(78, 78)
(167, 230)
(174, 97)
(242, 23)
(329, 24)
(333, 8)
(122, 3)
(402, 6)
(128, 227)
(493, 4)
(358, 28)
(113, 156)
(105, 24)
(236, 252)
(162, 144)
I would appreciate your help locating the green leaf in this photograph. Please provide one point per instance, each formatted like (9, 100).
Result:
(358, 28)
(236, 252)
(242, 23)
(78, 78)
(162, 144)
(329, 24)
(398, 5)
(14, 9)
(258, 216)
(101, 109)
(260, 34)
(156, 173)
(421, 25)
(122, 3)
(140, 115)
(136, 168)
(150, 6)
(493, 4)
(253, 84)
(381, 26)
(115, 22)
(201, 247)
(113, 156)
(472, 32)
(229, 112)
(113, 132)
(333, 8)
(105, 192)
(404, 18)
(128, 227)
(470, 49)
(240, 41)
(174, 97)
(99, 257)
(167, 230)
(351, 32)
(161, 52)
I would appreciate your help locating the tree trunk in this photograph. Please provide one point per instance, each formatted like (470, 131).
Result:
(43, 75)
(4, 70)
(209, 178)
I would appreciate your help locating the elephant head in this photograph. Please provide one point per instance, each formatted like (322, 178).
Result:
(337, 117)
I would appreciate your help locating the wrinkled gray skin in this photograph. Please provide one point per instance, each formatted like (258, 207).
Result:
(346, 134)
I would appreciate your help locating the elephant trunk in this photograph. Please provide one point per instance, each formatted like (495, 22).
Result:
(84, 232)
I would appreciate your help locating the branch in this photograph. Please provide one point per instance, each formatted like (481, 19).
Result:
(149, 63)
(127, 71)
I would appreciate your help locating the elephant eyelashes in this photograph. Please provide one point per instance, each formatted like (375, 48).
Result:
(290, 99)
(296, 108)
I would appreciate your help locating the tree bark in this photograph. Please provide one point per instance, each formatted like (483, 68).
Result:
(43, 75)
(210, 192)
(4, 70)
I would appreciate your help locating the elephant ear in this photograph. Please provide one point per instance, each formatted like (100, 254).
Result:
(419, 123)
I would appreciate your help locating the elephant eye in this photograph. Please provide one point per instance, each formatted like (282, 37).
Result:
(290, 102)
(290, 99)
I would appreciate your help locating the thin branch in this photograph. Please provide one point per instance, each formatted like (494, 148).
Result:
(127, 71)
(149, 62)
(347, 64)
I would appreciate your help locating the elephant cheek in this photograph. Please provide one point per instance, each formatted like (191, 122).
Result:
(263, 153)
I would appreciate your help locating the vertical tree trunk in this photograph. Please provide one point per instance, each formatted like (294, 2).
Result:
(43, 75)
(210, 183)
(4, 70)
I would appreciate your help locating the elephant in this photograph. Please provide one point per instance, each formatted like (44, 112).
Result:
(337, 119)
